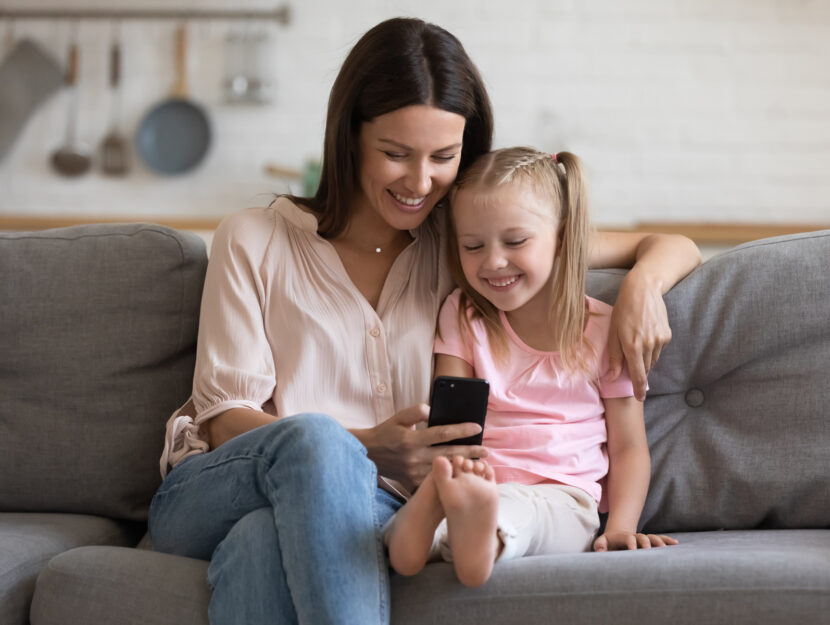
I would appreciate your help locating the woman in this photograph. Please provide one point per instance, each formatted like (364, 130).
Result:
(327, 306)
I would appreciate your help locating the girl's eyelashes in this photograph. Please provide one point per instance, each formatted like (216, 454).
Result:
(395, 156)
(473, 247)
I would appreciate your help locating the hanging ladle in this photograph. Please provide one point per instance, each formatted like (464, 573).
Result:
(73, 158)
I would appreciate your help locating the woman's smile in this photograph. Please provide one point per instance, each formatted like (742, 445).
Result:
(408, 204)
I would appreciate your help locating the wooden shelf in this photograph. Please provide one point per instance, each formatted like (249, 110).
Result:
(16, 222)
(702, 233)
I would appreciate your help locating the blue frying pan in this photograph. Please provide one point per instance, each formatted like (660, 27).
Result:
(174, 135)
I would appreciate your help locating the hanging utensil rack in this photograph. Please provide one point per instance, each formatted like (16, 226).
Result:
(281, 14)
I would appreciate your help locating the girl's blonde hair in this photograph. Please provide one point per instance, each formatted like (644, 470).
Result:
(560, 180)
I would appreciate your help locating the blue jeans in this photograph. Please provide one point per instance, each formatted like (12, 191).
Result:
(290, 517)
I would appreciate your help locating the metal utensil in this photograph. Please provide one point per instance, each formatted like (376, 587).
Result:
(114, 144)
(73, 158)
(174, 135)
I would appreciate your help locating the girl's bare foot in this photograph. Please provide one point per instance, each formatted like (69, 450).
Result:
(411, 533)
(470, 499)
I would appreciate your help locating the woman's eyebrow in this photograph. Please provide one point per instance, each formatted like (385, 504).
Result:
(403, 146)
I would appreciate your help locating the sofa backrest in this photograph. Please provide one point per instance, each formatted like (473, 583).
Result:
(97, 345)
(738, 411)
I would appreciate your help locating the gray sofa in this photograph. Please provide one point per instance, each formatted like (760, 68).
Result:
(97, 335)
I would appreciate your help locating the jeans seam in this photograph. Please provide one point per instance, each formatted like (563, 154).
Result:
(382, 566)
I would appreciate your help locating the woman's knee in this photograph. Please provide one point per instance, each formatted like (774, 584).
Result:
(316, 435)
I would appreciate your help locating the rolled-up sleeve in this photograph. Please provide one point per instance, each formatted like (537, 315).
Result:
(234, 362)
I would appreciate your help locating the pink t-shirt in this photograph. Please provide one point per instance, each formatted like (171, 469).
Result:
(543, 424)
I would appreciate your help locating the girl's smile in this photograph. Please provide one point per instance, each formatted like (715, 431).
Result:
(503, 283)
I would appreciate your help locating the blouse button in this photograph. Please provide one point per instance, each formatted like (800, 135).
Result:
(375, 332)
(381, 388)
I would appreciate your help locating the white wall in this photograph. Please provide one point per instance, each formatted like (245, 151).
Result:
(682, 109)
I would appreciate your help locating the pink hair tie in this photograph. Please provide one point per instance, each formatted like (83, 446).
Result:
(553, 156)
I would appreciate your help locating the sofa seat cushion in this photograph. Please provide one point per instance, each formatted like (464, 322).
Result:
(711, 577)
(29, 541)
(778, 576)
(123, 586)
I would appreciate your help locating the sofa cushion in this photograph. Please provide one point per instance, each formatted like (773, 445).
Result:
(715, 578)
(123, 586)
(738, 413)
(29, 541)
(97, 345)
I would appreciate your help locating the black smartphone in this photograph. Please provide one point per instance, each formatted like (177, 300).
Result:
(459, 400)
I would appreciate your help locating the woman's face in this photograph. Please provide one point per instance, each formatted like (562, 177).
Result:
(408, 161)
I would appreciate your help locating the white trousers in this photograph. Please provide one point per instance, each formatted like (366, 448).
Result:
(536, 520)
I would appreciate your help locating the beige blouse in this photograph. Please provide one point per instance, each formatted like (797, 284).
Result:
(283, 329)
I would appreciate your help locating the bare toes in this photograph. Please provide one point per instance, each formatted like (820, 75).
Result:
(441, 469)
(489, 474)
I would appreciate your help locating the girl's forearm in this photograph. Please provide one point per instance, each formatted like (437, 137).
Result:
(628, 478)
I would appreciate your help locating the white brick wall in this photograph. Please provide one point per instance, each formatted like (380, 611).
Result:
(682, 109)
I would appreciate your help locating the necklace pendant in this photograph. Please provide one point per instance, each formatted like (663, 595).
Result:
(378, 250)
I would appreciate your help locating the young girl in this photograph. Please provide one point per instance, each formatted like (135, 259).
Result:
(557, 420)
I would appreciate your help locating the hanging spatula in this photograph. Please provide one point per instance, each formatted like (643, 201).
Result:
(114, 145)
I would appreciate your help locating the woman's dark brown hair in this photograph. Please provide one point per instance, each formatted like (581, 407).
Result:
(400, 62)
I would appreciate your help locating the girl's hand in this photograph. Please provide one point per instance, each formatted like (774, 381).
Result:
(639, 330)
(404, 453)
(617, 541)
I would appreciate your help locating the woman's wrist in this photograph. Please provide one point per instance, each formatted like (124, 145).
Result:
(365, 436)
(643, 277)
(665, 259)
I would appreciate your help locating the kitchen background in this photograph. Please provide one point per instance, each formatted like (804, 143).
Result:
(685, 111)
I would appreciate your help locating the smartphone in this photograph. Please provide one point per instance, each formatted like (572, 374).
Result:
(459, 400)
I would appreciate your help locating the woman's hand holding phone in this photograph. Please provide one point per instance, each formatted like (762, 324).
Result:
(405, 454)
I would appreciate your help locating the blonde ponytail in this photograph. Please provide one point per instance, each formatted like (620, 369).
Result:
(568, 312)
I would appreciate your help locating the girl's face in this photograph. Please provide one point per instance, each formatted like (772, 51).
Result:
(507, 242)
(408, 160)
